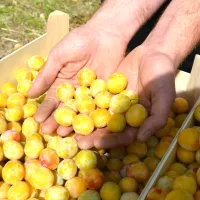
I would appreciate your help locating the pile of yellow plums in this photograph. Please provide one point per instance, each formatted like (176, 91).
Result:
(97, 103)
(35, 166)
(182, 179)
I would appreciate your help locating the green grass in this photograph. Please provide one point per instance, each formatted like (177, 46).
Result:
(21, 21)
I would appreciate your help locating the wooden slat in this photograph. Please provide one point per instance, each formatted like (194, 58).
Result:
(57, 28)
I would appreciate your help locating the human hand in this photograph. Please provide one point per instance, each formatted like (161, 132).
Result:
(85, 46)
(152, 75)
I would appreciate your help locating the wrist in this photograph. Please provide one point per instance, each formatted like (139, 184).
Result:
(124, 18)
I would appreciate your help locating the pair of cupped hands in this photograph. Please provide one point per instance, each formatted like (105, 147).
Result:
(150, 73)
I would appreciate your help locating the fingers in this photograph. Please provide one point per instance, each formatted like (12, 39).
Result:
(102, 138)
(47, 75)
(162, 97)
(112, 140)
(63, 131)
(49, 126)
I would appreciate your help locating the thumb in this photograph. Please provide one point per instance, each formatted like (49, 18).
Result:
(162, 97)
(47, 75)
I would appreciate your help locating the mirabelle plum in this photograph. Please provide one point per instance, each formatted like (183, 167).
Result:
(197, 195)
(179, 195)
(4, 187)
(49, 158)
(40, 177)
(71, 103)
(172, 174)
(194, 166)
(29, 126)
(33, 101)
(132, 96)
(76, 186)
(136, 115)
(198, 176)
(58, 179)
(94, 178)
(36, 62)
(152, 163)
(138, 148)
(101, 161)
(67, 147)
(110, 190)
(116, 83)
(151, 152)
(118, 152)
(172, 114)
(65, 91)
(185, 183)
(86, 76)
(114, 164)
(67, 169)
(120, 103)
(156, 194)
(130, 158)
(173, 132)
(15, 126)
(103, 99)
(161, 149)
(116, 123)
(178, 167)
(64, 115)
(46, 137)
(128, 184)
(100, 117)
(197, 156)
(8, 88)
(23, 74)
(3, 125)
(30, 166)
(152, 141)
(85, 104)
(34, 136)
(33, 192)
(83, 124)
(180, 105)
(113, 176)
(197, 113)
(24, 86)
(86, 159)
(13, 150)
(129, 196)
(139, 171)
(16, 100)
(56, 192)
(165, 183)
(33, 148)
(191, 173)
(13, 171)
(189, 139)
(82, 91)
(97, 86)
(185, 156)
(179, 119)
(54, 143)
(19, 191)
(14, 114)
(29, 110)
(3, 100)
(89, 195)
(34, 74)
(10, 135)
(166, 129)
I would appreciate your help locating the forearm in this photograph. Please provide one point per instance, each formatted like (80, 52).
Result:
(125, 17)
(178, 30)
